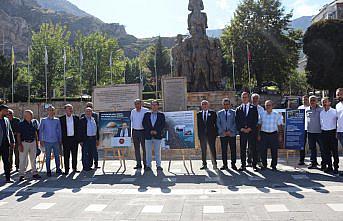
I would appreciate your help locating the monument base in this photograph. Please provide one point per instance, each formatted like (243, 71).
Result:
(214, 97)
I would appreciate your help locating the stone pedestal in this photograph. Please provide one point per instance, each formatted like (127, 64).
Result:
(214, 97)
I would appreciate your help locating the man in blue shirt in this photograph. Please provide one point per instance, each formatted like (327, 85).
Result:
(89, 138)
(50, 137)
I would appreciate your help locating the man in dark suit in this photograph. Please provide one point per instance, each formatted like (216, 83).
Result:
(70, 127)
(6, 141)
(154, 123)
(246, 122)
(124, 131)
(207, 133)
(89, 139)
(95, 115)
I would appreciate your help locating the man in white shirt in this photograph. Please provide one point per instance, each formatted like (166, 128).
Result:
(304, 106)
(255, 99)
(339, 109)
(138, 137)
(328, 123)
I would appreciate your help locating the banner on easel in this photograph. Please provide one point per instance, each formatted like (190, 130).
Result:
(295, 130)
(115, 129)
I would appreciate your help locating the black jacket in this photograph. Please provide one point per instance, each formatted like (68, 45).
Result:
(249, 121)
(83, 129)
(63, 121)
(208, 128)
(158, 127)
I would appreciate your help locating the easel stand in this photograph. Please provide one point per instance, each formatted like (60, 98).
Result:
(184, 163)
(117, 154)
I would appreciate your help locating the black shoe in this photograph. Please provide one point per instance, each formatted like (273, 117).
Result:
(21, 178)
(274, 168)
(249, 165)
(224, 168)
(159, 168)
(301, 163)
(36, 176)
(9, 180)
(204, 167)
(66, 173)
(255, 169)
(137, 167)
(96, 165)
(328, 170)
(48, 174)
(313, 166)
(233, 166)
(243, 168)
(59, 172)
(335, 171)
(323, 168)
(263, 168)
(76, 171)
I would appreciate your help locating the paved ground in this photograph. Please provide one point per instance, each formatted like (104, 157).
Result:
(289, 194)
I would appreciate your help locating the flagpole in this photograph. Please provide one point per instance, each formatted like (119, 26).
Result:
(111, 68)
(64, 73)
(81, 62)
(249, 57)
(233, 68)
(28, 75)
(156, 71)
(171, 63)
(46, 75)
(13, 74)
(96, 67)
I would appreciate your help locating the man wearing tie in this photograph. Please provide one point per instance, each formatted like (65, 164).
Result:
(227, 131)
(6, 140)
(246, 122)
(70, 126)
(207, 132)
(124, 131)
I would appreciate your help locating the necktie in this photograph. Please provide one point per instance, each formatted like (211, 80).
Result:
(245, 109)
(226, 119)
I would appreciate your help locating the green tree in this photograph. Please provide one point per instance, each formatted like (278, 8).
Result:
(324, 49)
(96, 51)
(263, 25)
(6, 75)
(55, 38)
(132, 72)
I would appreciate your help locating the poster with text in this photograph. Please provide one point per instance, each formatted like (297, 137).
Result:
(295, 130)
(115, 129)
(179, 131)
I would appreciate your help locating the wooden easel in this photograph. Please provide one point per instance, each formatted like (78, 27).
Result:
(118, 154)
(184, 162)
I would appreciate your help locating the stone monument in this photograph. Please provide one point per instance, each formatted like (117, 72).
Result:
(197, 57)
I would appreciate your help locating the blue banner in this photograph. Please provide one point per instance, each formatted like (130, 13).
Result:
(295, 130)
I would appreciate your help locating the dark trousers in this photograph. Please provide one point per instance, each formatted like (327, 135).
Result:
(88, 153)
(211, 142)
(269, 141)
(225, 141)
(302, 152)
(330, 147)
(4, 152)
(138, 142)
(14, 151)
(249, 139)
(313, 140)
(70, 146)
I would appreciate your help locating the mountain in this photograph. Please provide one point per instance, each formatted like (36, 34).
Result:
(62, 6)
(215, 33)
(302, 23)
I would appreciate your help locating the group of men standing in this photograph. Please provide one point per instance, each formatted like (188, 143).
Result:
(23, 138)
(258, 130)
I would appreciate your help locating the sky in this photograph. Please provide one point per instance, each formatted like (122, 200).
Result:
(148, 18)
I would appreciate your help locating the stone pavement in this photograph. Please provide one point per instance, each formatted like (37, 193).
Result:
(288, 194)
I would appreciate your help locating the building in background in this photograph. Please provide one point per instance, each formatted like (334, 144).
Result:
(334, 10)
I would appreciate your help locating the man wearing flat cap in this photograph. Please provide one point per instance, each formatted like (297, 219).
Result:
(6, 140)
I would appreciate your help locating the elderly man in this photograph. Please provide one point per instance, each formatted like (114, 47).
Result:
(314, 132)
(339, 109)
(27, 138)
(270, 128)
(136, 117)
(89, 138)
(328, 122)
(246, 122)
(50, 137)
(227, 131)
(70, 126)
(14, 124)
(207, 132)
(255, 99)
(304, 106)
(6, 140)
(154, 123)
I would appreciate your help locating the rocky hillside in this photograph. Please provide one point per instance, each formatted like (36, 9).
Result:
(62, 6)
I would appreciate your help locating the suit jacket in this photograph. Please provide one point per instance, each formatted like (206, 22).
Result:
(208, 128)
(228, 124)
(158, 127)
(120, 129)
(83, 129)
(249, 121)
(63, 121)
(9, 133)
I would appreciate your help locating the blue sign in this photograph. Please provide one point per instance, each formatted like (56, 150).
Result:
(295, 130)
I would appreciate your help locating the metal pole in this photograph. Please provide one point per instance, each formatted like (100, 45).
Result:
(46, 83)
(233, 69)
(64, 74)
(249, 67)
(96, 68)
(81, 62)
(156, 72)
(28, 75)
(171, 63)
(12, 83)
(111, 68)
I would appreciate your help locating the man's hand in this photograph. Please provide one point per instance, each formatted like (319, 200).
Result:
(97, 143)
(227, 134)
(81, 144)
(280, 138)
(258, 138)
(153, 132)
(21, 148)
(248, 130)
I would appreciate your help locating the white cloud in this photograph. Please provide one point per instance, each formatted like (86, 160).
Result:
(223, 4)
(304, 8)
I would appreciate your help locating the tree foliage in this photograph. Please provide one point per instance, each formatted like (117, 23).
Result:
(323, 45)
(274, 47)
